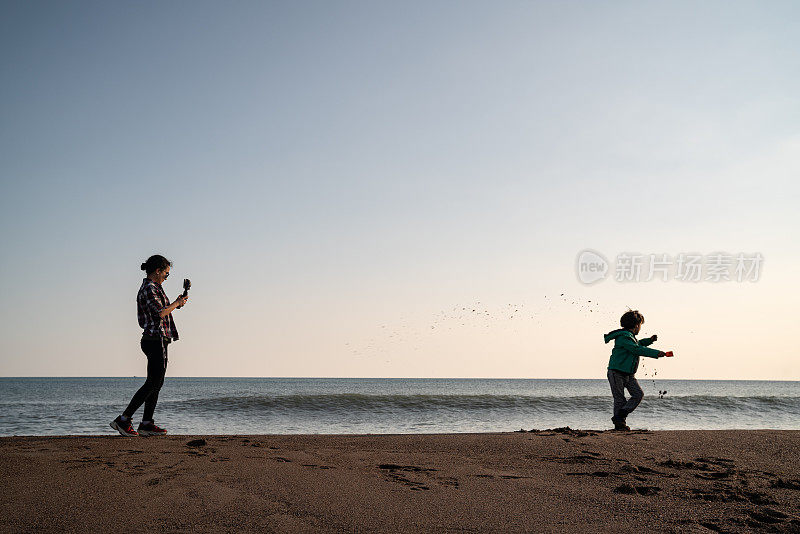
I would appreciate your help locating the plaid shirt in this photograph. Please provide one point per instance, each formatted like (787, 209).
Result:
(150, 300)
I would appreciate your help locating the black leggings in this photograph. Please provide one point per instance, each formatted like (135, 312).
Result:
(156, 352)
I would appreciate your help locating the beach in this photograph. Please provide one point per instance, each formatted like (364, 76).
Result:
(552, 480)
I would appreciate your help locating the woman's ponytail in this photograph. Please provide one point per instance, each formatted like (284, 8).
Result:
(154, 263)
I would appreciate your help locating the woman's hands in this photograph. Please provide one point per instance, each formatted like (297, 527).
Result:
(180, 301)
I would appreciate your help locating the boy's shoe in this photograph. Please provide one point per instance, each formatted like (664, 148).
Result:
(123, 427)
(151, 429)
(619, 423)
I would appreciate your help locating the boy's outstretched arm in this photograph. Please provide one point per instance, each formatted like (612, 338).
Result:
(629, 345)
(647, 341)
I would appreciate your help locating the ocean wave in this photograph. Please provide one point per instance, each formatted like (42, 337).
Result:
(355, 402)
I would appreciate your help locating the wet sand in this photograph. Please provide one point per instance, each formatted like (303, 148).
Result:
(544, 481)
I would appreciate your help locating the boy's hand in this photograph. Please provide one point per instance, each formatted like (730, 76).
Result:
(654, 337)
(661, 354)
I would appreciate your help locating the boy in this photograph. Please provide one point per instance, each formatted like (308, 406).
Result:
(624, 362)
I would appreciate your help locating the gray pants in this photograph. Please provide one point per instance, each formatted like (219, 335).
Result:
(619, 382)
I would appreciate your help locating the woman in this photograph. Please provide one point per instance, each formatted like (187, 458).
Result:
(155, 317)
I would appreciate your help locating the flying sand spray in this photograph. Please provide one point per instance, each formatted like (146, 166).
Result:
(661, 393)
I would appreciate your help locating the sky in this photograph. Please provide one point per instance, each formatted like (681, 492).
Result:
(344, 182)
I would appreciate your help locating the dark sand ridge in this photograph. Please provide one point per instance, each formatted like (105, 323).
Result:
(544, 481)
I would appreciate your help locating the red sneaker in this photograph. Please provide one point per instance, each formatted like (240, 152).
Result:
(150, 429)
(123, 427)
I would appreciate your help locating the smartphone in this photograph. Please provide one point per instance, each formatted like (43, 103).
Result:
(187, 285)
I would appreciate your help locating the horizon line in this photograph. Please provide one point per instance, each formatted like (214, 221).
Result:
(421, 378)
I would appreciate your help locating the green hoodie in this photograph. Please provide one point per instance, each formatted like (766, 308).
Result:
(625, 356)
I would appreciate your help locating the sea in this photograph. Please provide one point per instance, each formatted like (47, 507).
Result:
(194, 406)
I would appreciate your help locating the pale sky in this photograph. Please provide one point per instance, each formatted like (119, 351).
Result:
(339, 179)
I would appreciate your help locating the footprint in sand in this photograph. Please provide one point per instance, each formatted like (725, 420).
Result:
(716, 475)
(640, 490)
(593, 474)
(83, 459)
(767, 515)
(711, 526)
(709, 467)
(785, 483)
(315, 466)
(576, 459)
(159, 480)
(679, 464)
(631, 468)
(448, 481)
(399, 473)
(641, 469)
(248, 443)
(726, 462)
(730, 495)
(767, 519)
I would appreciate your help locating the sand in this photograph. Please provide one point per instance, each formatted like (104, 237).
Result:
(543, 481)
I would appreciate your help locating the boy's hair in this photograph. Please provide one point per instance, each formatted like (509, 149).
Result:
(631, 318)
